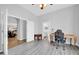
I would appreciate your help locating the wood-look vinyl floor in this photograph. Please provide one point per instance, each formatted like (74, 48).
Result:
(12, 42)
(42, 47)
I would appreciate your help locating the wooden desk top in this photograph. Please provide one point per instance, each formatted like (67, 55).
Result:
(68, 35)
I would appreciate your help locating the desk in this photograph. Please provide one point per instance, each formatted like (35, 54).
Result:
(51, 37)
(72, 37)
(38, 37)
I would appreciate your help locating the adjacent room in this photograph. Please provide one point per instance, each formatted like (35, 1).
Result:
(14, 31)
(42, 29)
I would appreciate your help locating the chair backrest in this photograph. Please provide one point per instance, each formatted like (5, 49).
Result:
(59, 33)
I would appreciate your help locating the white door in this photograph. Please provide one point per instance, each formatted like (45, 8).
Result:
(3, 31)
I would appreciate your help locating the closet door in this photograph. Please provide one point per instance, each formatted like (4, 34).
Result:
(24, 30)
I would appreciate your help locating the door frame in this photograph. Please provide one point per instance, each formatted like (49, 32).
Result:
(4, 31)
(19, 18)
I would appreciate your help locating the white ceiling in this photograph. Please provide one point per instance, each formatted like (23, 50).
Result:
(35, 9)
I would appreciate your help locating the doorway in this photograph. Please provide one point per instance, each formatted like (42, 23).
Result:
(16, 31)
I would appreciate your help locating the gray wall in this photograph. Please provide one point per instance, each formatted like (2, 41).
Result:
(76, 22)
(38, 25)
(62, 19)
(12, 20)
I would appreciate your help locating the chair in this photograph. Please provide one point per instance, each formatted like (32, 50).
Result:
(59, 38)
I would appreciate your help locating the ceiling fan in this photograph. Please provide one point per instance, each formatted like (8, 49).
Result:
(42, 6)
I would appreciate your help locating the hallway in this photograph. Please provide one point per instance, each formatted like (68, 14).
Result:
(42, 48)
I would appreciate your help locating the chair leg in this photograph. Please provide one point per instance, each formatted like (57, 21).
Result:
(53, 44)
(63, 46)
(57, 45)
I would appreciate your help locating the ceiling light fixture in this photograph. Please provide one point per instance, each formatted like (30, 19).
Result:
(42, 6)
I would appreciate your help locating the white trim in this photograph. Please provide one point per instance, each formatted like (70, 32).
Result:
(4, 30)
(1, 28)
(5, 33)
(21, 18)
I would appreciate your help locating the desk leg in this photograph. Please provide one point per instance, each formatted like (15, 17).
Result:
(75, 40)
(70, 41)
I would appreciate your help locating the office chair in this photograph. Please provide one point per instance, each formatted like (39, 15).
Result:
(59, 38)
